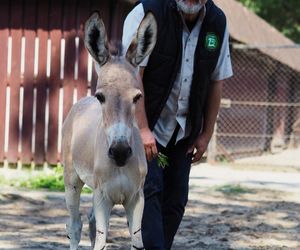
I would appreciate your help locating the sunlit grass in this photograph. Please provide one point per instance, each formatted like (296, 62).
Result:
(234, 189)
(50, 180)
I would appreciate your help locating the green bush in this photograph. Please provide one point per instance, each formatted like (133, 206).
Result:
(53, 181)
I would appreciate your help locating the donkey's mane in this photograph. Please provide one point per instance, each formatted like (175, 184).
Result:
(116, 48)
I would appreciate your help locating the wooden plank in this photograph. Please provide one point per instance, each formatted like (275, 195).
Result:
(4, 11)
(41, 82)
(14, 80)
(83, 14)
(69, 32)
(55, 21)
(30, 34)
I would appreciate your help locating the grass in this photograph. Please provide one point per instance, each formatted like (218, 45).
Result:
(51, 181)
(236, 189)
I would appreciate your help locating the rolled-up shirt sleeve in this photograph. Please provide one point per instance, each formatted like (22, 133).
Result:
(223, 68)
(131, 24)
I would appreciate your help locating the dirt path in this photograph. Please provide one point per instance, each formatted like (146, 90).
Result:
(258, 219)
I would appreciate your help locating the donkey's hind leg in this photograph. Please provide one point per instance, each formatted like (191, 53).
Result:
(73, 186)
(92, 227)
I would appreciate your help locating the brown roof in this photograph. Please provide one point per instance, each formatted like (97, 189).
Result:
(246, 27)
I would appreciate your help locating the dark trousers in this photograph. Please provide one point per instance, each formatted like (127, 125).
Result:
(166, 194)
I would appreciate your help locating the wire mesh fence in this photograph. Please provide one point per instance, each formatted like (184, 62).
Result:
(259, 119)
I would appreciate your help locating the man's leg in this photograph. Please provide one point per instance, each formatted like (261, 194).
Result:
(176, 187)
(152, 226)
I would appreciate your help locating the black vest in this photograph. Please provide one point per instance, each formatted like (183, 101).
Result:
(165, 60)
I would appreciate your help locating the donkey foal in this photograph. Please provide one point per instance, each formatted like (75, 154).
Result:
(101, 142)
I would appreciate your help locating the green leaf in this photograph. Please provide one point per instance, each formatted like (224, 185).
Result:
(162, 160)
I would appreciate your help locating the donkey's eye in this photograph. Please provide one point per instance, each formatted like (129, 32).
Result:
(100, 97)
(136, 98)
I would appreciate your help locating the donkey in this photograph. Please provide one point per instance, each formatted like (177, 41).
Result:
(102, 147)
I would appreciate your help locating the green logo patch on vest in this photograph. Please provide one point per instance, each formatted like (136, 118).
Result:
(211, 41)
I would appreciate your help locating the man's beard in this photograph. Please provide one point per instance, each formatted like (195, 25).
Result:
(189, 9)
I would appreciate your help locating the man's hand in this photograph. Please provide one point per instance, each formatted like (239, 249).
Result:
(149, 143)
(200, 145)
(210, 116)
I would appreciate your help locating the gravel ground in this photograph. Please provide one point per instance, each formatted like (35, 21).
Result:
(266, 216)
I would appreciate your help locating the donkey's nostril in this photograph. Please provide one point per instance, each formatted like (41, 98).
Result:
(120, 152)
(129, 152)
(111, 152)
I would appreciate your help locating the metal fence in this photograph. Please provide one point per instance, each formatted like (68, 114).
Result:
(259, 119)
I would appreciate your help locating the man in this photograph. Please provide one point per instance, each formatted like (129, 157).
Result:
(182, 84)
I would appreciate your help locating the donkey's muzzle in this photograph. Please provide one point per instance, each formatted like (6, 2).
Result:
(120, 153)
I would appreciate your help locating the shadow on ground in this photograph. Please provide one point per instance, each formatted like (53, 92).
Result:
(261, 220)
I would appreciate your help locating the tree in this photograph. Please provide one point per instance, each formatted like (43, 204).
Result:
(283, 15)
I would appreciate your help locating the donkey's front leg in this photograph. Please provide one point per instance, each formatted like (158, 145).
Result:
(102, 208)
(134, 210)
(73, 186)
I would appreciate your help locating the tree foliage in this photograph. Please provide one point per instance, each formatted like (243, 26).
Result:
(282, 14)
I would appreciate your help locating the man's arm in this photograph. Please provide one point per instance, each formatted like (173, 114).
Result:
(146, 134)
(209, 120)
(222, 71)
(212, 109)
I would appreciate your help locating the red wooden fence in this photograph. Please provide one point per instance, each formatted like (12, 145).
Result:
(44, 69)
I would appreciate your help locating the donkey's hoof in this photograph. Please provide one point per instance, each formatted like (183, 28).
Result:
(73, 247)
(92, 227)
(74, 233)
(99, 248)
(138, 248)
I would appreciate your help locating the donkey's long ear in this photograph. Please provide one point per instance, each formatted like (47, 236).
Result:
(144, 42)
(95, 39)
